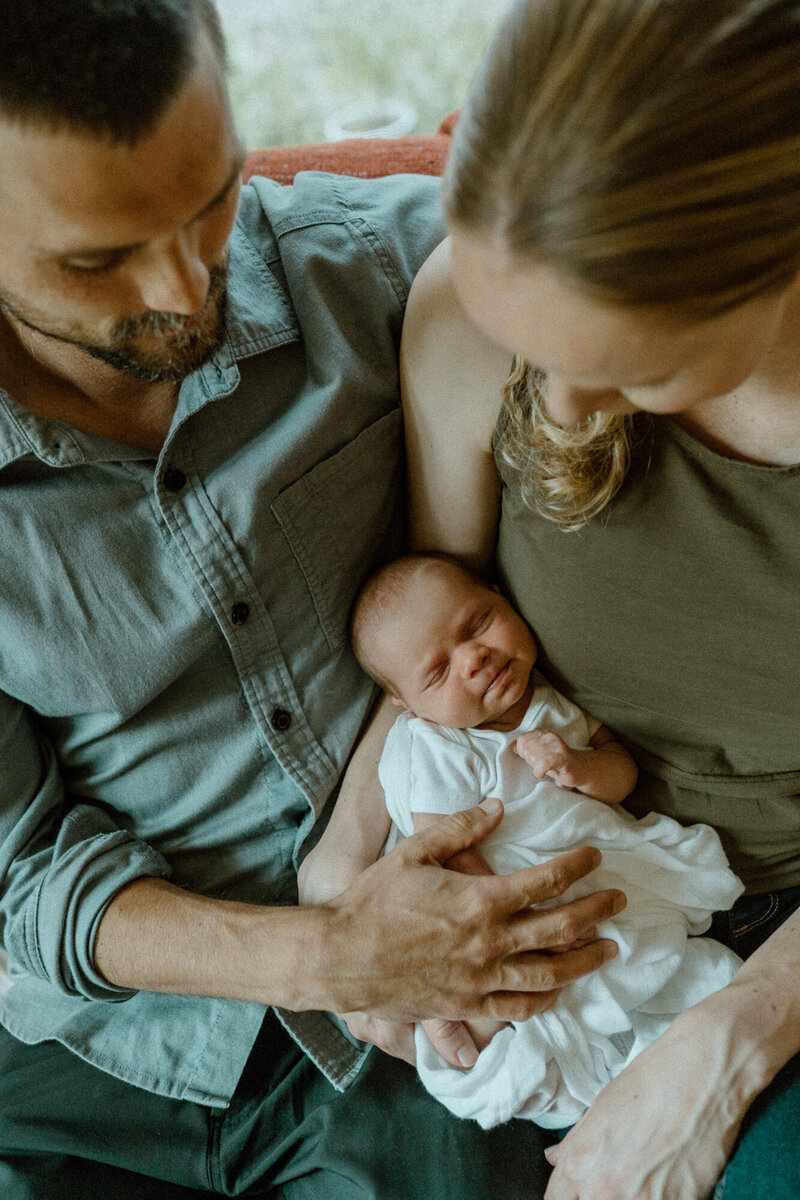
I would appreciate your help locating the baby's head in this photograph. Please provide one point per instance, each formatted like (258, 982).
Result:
(443, 643)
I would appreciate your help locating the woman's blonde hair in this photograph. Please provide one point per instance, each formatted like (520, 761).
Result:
(649, 150)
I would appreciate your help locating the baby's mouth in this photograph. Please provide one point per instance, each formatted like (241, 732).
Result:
(498, 680)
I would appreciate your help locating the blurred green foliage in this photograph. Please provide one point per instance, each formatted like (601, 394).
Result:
(293, 63)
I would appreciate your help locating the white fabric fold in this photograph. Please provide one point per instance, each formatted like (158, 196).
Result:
(550, 1068)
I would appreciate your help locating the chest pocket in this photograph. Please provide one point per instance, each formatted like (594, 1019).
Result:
(343, 517)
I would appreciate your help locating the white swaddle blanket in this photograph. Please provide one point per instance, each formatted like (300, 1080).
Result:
(550, 1068)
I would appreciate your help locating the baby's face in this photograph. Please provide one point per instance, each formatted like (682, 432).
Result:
(457, 651)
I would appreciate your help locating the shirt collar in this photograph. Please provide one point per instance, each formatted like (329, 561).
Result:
(260, 317)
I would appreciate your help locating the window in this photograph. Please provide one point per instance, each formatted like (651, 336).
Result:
(296, 65)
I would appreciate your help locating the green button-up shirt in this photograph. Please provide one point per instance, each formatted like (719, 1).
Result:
(178, 695)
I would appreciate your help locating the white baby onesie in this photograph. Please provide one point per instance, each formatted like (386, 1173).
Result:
(551, 1067)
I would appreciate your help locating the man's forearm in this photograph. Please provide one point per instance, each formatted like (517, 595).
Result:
(406, 940)
(156, 937)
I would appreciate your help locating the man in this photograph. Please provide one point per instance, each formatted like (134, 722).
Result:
(199, 462)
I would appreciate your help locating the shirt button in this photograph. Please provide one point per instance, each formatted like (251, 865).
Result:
(240, 612)
(173, 479)
(280, 720)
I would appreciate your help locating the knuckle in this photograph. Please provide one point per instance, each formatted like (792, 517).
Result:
(558, 877)
(548, 974)
(461, 821)
(486, 946)
(567, 926)
(443, 1031)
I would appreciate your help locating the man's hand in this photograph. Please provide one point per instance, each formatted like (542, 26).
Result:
(409, 939)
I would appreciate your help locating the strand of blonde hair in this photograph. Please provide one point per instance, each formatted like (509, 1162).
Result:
(568, 474)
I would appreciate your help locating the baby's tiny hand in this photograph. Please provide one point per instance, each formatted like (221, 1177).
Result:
(548, 755)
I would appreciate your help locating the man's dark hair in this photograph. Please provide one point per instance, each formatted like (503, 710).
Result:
(107, 67)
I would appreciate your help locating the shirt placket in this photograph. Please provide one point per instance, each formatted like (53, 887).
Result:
(238, 607)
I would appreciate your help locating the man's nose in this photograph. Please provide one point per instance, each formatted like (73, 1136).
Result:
(175, 279)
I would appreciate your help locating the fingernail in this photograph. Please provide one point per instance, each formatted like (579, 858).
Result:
(620, 902)
(467, 1057)
(490, 805)
(611, 950)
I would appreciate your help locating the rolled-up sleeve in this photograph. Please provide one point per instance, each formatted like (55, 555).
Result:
(61, 863)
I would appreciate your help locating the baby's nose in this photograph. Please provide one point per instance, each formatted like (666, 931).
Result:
(473, 659)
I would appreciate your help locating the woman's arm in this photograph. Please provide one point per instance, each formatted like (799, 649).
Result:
(452, 380)
(359, 824)
(664, 1128)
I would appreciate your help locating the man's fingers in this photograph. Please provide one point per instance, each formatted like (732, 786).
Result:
(452, 1040)
(456, 832)
(547, 881)
(537, 972)
(533, 983)
(547, 929)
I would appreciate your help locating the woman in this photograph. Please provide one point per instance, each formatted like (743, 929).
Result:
(624, 202)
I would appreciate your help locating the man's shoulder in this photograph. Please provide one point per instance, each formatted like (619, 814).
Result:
(318, 197)
(396, 219)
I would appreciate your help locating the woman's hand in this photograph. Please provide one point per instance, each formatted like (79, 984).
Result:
(665, 1127)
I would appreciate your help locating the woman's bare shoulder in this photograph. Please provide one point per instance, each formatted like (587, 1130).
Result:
(441, 343)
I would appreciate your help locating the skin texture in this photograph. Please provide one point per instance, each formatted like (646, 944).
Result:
(111, 270)
(112, 261)
(466, 300)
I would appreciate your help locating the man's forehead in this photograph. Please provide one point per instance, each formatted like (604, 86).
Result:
(61, 188)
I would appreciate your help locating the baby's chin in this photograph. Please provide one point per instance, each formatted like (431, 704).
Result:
(449, 720)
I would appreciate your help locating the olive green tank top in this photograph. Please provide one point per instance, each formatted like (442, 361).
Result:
(674, 618)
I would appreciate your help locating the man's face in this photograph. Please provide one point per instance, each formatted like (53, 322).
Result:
(120, 250)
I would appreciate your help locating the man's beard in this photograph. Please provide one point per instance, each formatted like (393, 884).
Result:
(185, 342)
(183, 349)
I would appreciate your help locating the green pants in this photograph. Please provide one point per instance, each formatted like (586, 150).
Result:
(70, 1132)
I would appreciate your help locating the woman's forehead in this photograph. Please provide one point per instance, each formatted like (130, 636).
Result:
(533, 309)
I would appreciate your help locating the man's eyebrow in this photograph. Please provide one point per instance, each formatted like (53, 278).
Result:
(100, 251)
(236, 172)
